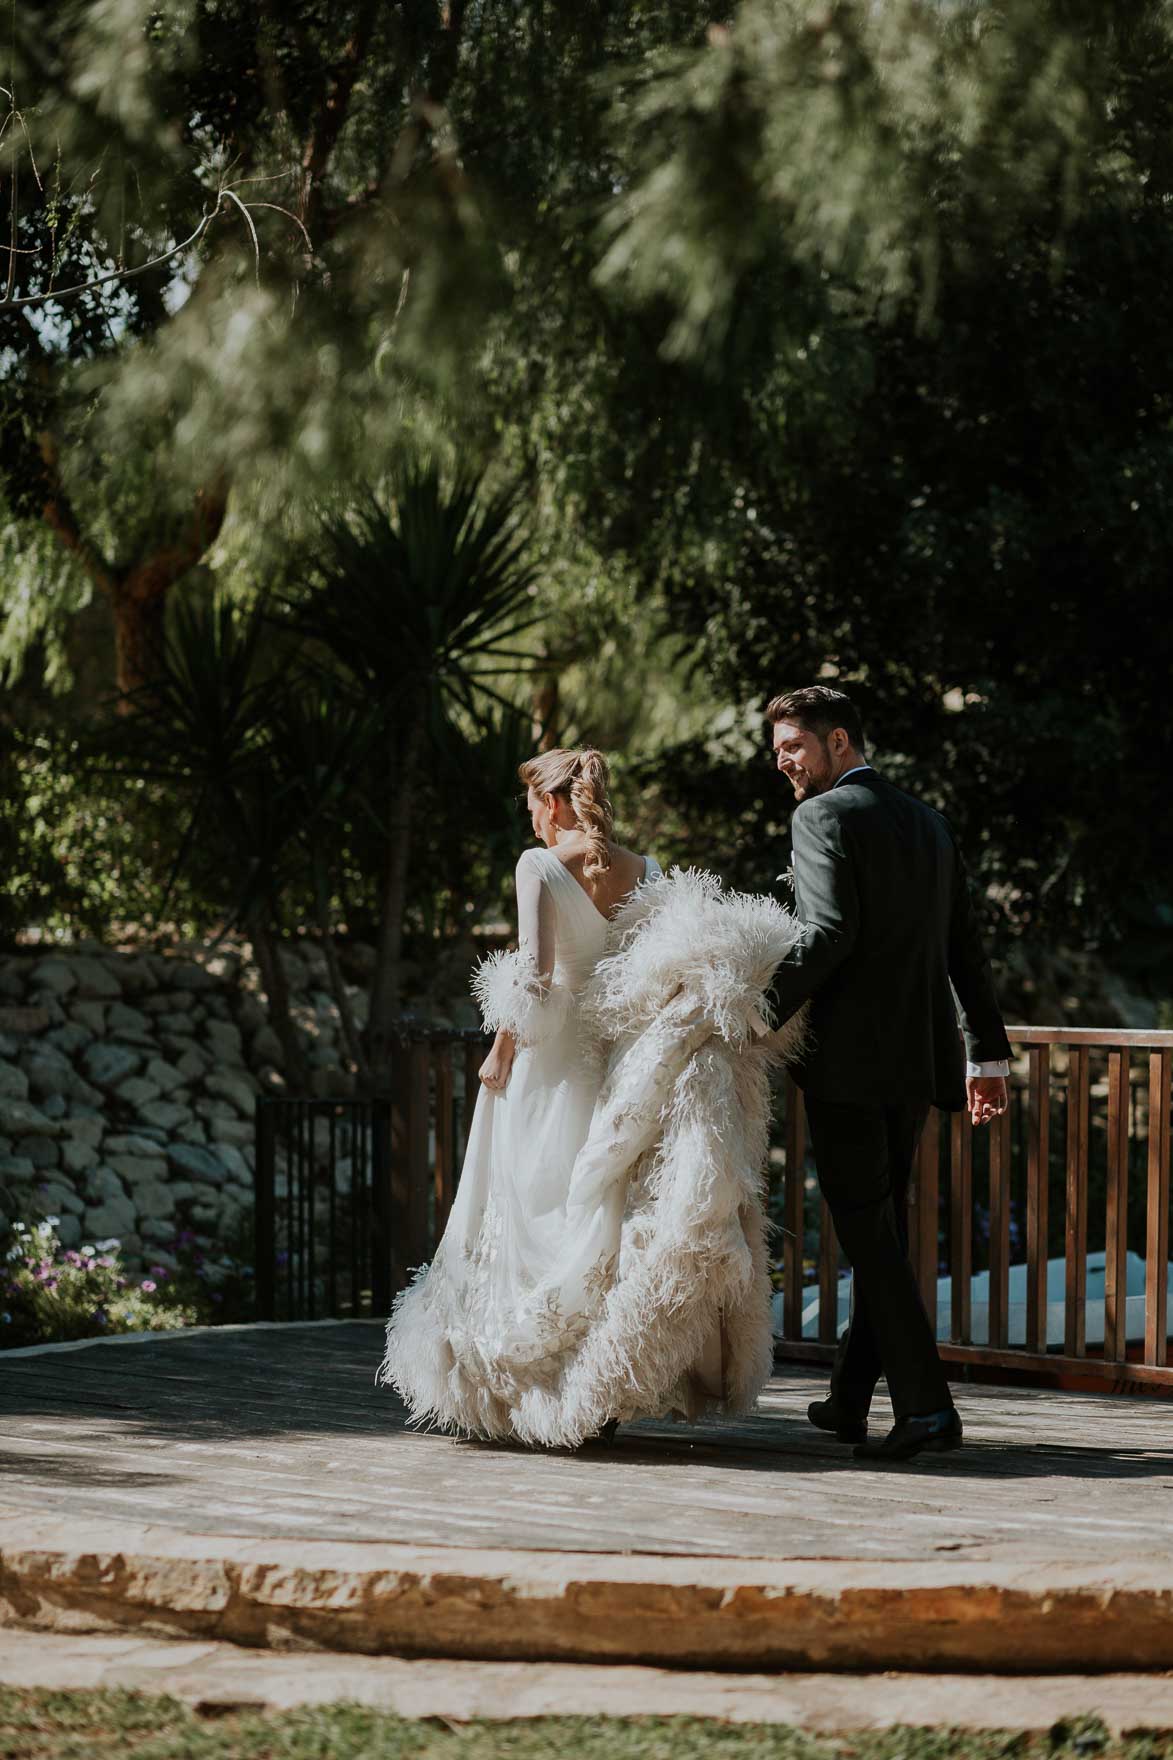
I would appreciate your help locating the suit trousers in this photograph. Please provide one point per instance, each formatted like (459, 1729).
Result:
(864, 1156)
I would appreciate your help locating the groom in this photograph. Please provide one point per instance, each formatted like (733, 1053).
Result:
(889, 956)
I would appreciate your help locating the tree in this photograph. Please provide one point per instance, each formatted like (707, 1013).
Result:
(421, 602)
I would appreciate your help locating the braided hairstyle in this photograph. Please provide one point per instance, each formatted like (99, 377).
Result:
(583, 777)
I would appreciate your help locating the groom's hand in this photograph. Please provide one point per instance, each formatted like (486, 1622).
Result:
(988, 1098)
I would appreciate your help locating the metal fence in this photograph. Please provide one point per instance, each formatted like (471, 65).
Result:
(352, 1194)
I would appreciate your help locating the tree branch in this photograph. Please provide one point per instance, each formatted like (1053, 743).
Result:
(323, 136)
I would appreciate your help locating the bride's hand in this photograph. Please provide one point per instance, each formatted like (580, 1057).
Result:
(494, 1072)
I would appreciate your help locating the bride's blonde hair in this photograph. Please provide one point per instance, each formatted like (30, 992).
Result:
(583, 777)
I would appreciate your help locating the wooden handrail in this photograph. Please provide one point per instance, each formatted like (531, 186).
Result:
(1123, 1038)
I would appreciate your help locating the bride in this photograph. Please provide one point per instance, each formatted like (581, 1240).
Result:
(604, 1257)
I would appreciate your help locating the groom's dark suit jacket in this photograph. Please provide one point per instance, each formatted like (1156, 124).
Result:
(890, 953)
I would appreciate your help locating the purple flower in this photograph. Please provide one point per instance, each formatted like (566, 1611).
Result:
(148, 1285)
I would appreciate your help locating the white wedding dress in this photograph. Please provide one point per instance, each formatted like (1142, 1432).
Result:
(605, 1256)
(480, 1324)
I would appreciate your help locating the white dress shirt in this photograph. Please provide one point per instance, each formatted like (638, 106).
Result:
(999, 1066)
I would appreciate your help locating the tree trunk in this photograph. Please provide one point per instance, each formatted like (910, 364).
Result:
(139, 624)
(545, 704)
(386, 984)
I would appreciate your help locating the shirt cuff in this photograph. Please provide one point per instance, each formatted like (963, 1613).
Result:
(1000, 1067)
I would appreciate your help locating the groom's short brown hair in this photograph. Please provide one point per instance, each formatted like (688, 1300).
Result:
(818, 708)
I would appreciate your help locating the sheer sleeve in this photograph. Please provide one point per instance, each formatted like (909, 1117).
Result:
(516, 991)
(535, 917)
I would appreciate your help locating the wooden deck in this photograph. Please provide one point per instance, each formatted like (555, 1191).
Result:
(282, 1432)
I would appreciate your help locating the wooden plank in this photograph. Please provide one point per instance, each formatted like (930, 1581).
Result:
(961, 1227)
(1116, 1225)
(999, 1308)
(445, 1187)
(1156, 1298)
(1096, 1038)
(925, 1241)
(1038, 1165)
(1075, 1296)
(828, 1277)
(792, 1211)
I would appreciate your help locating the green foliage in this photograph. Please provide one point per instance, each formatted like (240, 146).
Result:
(53, 1293)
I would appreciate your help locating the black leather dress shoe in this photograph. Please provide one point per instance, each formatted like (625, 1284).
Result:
(824, 1414)
(931, 1433)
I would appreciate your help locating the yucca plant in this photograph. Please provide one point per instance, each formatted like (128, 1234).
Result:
(420, 594)
(205, 724)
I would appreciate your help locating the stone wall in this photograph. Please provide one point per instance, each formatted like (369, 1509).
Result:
(128, 1088)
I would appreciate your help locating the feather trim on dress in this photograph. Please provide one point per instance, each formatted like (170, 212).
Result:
(511, 995)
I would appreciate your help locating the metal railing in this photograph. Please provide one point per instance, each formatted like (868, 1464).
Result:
(1082, 1156)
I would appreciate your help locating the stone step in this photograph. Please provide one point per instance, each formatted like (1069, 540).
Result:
(217, 1679)
(79, 1575)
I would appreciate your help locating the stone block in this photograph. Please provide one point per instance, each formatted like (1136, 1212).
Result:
(138, 1092)
(153, 1200)
(164, 1075)
(237, 1090)
(103, 1183)
(192, 1132)
(78, 1156)
(132, 1143)
(193, 1065)
(41, 1151)
(49, 1071)
(84, 1128)
(14, 1083)
(121, 1018)
(55, 975)
(54, 1106)
(20, 1118)
(174, 1023)
(71, 1038)
(237, 1131)
(158, 1232)
(235, 1165)
(184, 1190)
(68, 1229)
(89, 1014)
(113, 1218)
(45, 1012)
(107, 1066)
(16, 1170)
(135, 974)
(96, 980)
(147, 1042)
(206, 1108)
(186, 975)
(197, 1163)
(56, 1199)
(224, 1042)
(266, 1047)
(137, 1170)
(165, 1114)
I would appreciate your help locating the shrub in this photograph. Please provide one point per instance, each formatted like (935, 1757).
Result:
(54, 1293)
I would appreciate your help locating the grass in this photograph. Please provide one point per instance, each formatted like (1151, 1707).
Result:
(37, 1725)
